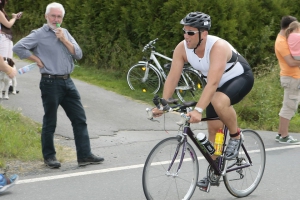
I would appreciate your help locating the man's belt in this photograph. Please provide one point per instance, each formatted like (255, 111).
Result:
(66, 76)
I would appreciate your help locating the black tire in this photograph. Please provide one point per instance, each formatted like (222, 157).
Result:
(161, 183)
(241, 183)
(144, 78)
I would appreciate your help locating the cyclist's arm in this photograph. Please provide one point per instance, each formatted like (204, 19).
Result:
(291, 61)
(175, 72)
(219, 55)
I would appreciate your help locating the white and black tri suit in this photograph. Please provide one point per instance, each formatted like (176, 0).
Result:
(237, 79)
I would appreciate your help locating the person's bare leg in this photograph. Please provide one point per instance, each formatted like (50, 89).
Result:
(213, 126)
(283, 129)
(225, 111)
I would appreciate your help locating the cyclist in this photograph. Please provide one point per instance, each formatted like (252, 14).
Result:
(229, 78)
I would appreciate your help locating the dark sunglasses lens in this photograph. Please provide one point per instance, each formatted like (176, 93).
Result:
(188, 32)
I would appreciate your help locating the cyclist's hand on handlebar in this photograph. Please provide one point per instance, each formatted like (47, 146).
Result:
(157, 113)
(195, 116)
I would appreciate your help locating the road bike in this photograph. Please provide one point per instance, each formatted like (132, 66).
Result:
(148, 75)
(171, 169)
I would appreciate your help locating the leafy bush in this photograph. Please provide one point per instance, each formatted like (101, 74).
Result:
(112, 33)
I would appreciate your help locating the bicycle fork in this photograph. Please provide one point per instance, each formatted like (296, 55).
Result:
(144, 79)
(183, 143)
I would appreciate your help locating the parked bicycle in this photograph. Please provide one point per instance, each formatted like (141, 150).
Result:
(171, 169)
(148, 75)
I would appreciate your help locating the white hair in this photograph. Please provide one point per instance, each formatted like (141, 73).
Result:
(55, 5)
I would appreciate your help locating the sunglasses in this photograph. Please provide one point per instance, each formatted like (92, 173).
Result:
(190, 32)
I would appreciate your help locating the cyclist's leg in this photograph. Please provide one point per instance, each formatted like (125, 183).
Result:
(221, 104)
(233, 91)
(213, 126)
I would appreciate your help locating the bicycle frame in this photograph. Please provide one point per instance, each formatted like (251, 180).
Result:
(159, 68)
(154, 59)
(188, 132)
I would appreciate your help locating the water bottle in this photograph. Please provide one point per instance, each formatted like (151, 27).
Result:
(201, 137)
(27, 68)
(219, 139)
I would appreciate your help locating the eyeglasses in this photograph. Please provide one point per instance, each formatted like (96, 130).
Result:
(190, 32)
(55, 16)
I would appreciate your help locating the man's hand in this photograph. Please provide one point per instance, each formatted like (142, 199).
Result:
(60, 34)
(37, 60)
(195, 116)
(40, 64)
(156, 112)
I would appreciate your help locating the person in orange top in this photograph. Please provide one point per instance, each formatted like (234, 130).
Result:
(290, 81)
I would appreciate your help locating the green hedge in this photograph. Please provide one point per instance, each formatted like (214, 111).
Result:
(112, 33)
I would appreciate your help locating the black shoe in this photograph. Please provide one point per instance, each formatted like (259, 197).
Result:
(92, 159)
(52, 163)
(203, 183)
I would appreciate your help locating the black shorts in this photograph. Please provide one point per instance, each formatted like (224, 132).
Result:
(236, 89)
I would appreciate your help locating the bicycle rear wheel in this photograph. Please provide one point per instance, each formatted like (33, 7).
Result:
(159, 183)
(144, 78)
(190, 86)
(242, 182)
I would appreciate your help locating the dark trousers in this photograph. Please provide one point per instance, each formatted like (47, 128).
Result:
(63, 92)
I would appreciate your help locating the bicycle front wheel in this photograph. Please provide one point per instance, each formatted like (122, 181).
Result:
(190, 86)
(144, 78)
(161, 180)
(242, 182)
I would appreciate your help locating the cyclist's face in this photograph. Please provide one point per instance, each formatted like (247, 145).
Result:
(53, 17)
(191, 36)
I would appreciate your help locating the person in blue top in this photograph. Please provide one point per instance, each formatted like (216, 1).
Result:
(54, 49)
(228, 75)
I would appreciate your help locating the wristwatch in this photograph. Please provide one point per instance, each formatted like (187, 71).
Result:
(200, 110)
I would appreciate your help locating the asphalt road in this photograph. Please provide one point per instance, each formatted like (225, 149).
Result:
(121, 133)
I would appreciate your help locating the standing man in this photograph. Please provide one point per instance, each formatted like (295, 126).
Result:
(54, 50)
(290, 81)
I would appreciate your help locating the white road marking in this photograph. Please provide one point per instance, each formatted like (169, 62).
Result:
(48, 178)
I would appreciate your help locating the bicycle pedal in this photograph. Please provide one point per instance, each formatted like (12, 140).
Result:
(205, 189)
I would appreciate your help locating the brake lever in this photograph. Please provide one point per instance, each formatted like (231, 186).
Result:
(150, 115)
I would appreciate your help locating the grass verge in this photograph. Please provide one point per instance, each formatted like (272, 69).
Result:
(19, 137)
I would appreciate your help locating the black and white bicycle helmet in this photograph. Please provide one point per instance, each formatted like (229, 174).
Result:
(198, 20)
